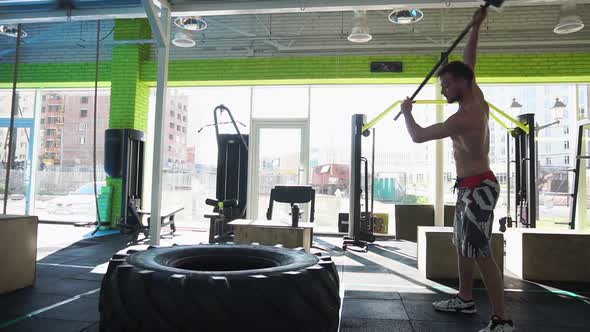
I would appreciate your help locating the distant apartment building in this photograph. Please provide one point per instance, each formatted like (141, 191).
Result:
(51, 122)
(67, 124)
(176, 154)
(78, 125)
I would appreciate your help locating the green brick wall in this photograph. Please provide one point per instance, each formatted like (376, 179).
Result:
(537, 68)
(534, 68)
(56, 75)
(129, 104)
(297, 70)
(129, 96)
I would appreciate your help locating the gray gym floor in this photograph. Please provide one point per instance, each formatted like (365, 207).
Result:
(382, 290)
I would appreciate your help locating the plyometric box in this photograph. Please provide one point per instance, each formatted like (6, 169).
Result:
(437, 256)
(18, 245)
(546, 255)
(409, 217)
(272, 232)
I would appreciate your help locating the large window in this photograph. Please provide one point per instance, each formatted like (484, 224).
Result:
(64, 178)
(404, 171)
(52, 180)
(190, 156)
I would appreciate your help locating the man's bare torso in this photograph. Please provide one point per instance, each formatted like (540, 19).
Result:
(471, 148)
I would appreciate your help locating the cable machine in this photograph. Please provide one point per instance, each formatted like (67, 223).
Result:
(525, 170)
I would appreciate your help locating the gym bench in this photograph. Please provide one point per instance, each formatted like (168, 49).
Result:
(166, 214)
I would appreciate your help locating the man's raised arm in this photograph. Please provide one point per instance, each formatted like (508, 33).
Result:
(470, 52)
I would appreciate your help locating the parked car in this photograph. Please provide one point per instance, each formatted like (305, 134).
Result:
(78, 202)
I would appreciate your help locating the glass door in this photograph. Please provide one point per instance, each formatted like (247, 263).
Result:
(279, 155)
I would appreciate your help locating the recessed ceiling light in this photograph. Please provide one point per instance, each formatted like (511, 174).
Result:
(406, 16)
(12, 31)
(191, 23)
(181, 39)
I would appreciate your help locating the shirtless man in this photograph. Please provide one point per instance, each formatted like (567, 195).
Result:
(477, 186)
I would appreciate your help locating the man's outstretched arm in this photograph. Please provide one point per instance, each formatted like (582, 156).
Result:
(470, 52)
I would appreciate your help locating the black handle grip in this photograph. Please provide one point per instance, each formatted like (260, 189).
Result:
(230, 203)
(211, 202)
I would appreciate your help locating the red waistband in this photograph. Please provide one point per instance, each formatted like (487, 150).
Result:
(475, 180)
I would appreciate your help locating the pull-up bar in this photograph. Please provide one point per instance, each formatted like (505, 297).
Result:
(525, 128)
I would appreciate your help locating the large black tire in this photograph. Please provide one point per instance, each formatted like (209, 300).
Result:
(220, 288)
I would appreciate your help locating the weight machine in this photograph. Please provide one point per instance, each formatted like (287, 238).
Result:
(525, 169)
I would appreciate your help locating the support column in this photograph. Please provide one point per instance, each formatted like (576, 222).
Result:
(581, 219)
(439, 166)
(159, 19)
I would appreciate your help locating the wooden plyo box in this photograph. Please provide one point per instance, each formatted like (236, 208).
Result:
(437, 256)
(272, 232)
(548, 255)
(18, 245)
(409, 217)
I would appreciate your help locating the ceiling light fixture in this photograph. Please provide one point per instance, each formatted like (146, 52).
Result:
(360, 28)
(569, 19)
(191, 23)
(12, 31)
(182, 39)
(405, 16)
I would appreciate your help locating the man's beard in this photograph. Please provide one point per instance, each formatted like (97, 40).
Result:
(453, 100)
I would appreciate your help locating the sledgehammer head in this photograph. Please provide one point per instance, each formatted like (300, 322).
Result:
(495, 3)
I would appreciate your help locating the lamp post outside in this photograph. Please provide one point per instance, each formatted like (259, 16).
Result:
(558, 113)
(515, 110)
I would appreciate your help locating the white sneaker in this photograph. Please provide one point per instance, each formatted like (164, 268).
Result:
(498, 325)
(456, 304)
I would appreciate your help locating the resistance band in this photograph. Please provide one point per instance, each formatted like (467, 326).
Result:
(388, 110)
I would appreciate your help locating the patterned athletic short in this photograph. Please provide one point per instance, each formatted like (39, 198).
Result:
(474, 214)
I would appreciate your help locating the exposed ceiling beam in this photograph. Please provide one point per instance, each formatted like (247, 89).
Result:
(216, 8)
(556, 43)
(212, 8)
(77, 15)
